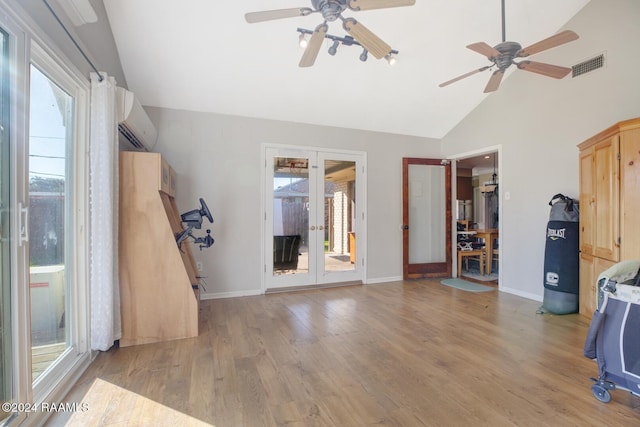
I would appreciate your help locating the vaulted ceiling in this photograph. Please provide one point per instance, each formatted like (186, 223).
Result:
(202, 55)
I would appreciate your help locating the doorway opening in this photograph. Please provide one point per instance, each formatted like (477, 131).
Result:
(477, 215)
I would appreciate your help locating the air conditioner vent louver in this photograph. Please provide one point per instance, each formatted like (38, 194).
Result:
(129, 136)
(588, 66)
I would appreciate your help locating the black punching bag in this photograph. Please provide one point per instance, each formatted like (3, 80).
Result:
(561, 257)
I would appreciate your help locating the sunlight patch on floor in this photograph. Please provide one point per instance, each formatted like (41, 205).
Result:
(107, 404)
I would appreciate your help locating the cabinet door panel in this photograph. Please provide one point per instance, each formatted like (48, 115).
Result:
(590, 268)
(587, 201)
(607, 199)
(587, 285)
(629, 194)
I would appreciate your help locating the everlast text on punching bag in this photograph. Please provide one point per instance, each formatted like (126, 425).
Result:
(561, 257)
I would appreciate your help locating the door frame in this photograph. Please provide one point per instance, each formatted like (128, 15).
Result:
(359, 273)
(476, 153)
(426, 270)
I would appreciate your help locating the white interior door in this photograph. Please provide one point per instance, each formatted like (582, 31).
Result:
(313, 207)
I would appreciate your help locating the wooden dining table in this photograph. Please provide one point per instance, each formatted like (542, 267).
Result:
(489, 235)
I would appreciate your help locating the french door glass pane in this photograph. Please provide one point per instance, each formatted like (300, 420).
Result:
(427, 214)
(50, 136)
(290, 216)
(6, 359)
(339, 210)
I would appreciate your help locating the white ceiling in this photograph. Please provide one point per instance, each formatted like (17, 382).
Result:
(202, 55)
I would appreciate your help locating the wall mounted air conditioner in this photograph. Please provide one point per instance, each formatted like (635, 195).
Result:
(137, 133)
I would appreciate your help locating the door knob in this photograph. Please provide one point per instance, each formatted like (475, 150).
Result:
(320, 227)
(313, 227)
(405, 227)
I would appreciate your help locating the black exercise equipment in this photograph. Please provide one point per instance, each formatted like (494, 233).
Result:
(193, 219)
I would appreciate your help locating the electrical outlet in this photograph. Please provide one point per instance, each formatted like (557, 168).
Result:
(199, 266)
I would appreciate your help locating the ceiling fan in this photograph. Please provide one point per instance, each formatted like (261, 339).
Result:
(503, 54)
(331, 10)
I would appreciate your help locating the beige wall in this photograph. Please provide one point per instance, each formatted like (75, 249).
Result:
(217, 157)
(538, 122)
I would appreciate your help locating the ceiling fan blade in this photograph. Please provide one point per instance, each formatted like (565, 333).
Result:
(378, 4)
(484, 49)
(366, 38)
(553, 41)
(494, 81)
(268, 15)
(471, 73)
(311, 52)
(548, 70)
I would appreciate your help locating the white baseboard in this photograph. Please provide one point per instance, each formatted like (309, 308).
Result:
(254, 292)
(235, 294)
(382, 280)
(519, 293)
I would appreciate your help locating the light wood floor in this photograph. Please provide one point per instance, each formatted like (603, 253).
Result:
(398, 354)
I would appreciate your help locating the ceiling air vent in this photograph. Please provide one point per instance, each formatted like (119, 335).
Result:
(588, 66)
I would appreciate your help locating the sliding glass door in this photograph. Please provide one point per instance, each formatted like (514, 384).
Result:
(6, 344)
(50, 217)
(44, 111)
(312, 212)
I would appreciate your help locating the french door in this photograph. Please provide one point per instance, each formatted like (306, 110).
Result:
(314, 218)
(426, 213)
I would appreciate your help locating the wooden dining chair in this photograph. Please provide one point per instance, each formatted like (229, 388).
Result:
(475, 254)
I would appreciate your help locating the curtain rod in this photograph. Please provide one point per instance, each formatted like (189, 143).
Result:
(100, 78)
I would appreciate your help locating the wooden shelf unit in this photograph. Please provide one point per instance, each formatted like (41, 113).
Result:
(609, 202)
(158, 282)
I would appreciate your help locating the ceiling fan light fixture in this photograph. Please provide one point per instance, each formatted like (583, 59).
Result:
(391, 59)
(320, 34)
(302, 41)
(334, 47)
(331, 10)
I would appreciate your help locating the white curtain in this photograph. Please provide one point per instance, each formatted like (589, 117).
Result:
(103, 153)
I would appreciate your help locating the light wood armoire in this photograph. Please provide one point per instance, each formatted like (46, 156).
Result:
(609, 204)
(158, 282)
